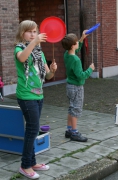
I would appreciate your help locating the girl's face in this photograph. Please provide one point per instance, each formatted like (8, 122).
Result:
(30, 35)
(76, 46)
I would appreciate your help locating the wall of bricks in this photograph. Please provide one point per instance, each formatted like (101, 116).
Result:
(8, 25)
(104, 38)
(37, 11)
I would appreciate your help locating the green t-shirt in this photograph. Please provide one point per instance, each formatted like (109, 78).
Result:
(30, 89)
(74, 71)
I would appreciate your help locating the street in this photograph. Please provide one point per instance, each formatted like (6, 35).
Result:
(113, 176)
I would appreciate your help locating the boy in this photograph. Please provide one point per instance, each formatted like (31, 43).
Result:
(75, 81)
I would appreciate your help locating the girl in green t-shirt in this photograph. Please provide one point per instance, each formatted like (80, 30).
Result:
(31, 71)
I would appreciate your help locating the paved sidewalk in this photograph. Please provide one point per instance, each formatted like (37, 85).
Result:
(69, 160)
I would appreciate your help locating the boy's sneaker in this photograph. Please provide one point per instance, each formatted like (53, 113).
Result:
(68, 134)
(78, 137)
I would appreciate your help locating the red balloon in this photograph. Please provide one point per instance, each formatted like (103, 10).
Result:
(54, 27)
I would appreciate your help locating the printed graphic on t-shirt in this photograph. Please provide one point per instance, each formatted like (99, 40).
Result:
(31, 74)
(37, 90)
(32, 83)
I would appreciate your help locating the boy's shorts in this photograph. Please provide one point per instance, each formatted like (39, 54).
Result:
(75, 95)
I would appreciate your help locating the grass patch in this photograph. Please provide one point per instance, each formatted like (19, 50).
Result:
(16, 176)
(73, 152)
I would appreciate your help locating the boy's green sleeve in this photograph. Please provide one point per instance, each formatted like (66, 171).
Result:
(80, 74)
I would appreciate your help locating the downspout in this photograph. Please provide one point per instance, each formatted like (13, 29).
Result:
(81, 8)
(81, 4)
(66, 14)
(101, 39)
(81, 30)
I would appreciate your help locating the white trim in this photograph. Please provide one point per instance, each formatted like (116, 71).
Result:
(11, 89)
(109, 71)
(54, 83)
(95, 75)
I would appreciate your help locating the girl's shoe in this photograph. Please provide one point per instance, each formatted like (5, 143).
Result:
(32, 175)
(41, 167)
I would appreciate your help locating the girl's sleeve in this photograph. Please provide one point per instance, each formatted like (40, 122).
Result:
(16, 50)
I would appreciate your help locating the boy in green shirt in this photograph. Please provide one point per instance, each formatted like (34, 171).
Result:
(75, 81)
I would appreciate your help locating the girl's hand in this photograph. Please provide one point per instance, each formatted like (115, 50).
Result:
(53, 66)
(40, 38)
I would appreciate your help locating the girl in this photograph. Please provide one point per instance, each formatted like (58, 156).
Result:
(31, 71)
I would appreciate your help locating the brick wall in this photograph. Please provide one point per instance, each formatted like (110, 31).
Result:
(37, 11)
(89, 11)
(8, 25)
(83, 15)
(108, 29)
(107, 37)
(73, 17)
(104, 39)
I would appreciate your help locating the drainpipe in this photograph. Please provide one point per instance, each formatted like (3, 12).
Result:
(101, 39)
(81, 4)
(81, 30)
(66, 14)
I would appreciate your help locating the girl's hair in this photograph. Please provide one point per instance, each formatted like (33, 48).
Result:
(23, 27)
(69, 40)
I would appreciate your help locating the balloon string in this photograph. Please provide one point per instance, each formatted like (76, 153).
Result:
(53, 50)
(53, 55)
(92, 47)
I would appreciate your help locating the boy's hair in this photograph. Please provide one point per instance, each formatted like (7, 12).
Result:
(23, 27)
(69, 40)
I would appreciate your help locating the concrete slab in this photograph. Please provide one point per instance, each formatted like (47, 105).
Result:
(71, 163)
(104, 134)
(98, 127)
(5, 175)
(13, 167)
(70, 146)
(10, 158)
(101, 150)
(56, 152)
(90, 142)
(110, 143)
(87, 156)
(57, 170)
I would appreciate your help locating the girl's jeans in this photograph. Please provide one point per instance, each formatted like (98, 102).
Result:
(31, 110)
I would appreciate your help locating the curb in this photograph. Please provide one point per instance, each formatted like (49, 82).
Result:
(94, 171)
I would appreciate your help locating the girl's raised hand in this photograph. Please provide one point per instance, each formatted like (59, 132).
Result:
(41, 38)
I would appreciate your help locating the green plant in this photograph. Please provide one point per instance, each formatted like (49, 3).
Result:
(16, 176)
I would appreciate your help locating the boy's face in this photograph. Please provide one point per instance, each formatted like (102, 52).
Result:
(30, 35)
(76, 46)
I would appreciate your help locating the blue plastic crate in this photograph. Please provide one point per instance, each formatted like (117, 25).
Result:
(11, 121)
(12, 128)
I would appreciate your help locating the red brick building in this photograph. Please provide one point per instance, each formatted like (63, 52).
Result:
(78, 15)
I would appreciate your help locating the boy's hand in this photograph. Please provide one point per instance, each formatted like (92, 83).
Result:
(92, 66)
(83, 36)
